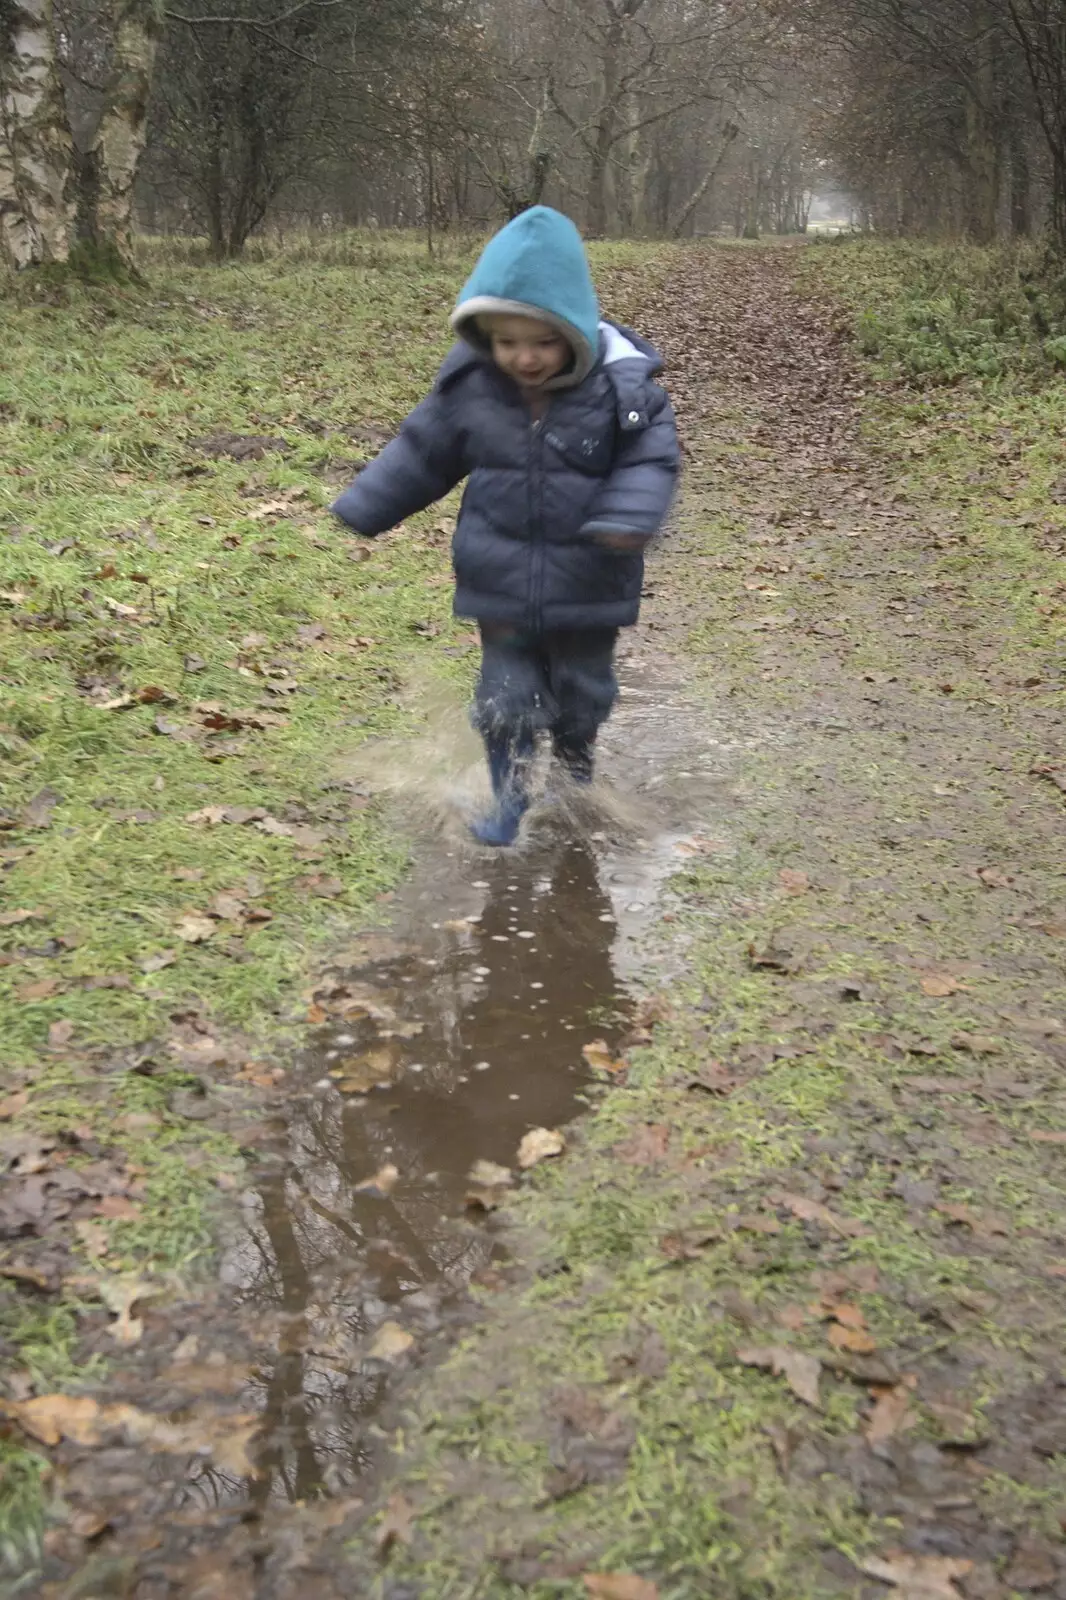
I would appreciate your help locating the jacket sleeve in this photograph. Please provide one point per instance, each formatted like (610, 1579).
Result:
(636, 495)
(422, 464)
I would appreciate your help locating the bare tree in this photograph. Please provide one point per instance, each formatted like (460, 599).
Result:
(36, 149)
(1040, 27)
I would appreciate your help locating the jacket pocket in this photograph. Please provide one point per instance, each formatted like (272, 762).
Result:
(590, 452)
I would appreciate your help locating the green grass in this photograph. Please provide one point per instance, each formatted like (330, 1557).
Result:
(967, 348)
(940, 313)
(129, 560)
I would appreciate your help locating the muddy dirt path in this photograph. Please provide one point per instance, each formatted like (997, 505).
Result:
(864, 1191)
(872, 891)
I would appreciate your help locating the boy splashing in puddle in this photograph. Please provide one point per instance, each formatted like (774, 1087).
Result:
(571, 452)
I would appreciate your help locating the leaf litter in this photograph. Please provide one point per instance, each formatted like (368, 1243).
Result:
(50, 1418)
(832, 1241)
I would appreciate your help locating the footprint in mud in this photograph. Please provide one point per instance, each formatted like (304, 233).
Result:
(440, 1045)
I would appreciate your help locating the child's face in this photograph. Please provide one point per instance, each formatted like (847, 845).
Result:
(528, 350)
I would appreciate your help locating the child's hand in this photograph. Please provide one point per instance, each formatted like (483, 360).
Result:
(622, 541)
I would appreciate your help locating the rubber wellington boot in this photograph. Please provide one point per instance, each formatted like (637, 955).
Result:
(576, 757)
(509, 756)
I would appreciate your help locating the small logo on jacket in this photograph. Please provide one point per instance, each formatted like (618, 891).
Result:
(588, 447)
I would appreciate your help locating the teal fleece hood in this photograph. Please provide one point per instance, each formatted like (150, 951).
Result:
(536, 267)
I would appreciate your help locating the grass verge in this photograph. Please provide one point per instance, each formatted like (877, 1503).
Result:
(188, 647)
(966, 348)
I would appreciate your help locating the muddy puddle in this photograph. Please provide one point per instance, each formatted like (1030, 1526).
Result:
(440, 1042)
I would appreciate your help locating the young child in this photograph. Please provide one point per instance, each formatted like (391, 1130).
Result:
(572, 458)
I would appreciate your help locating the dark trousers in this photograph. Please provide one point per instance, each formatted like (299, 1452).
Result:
(561, 681)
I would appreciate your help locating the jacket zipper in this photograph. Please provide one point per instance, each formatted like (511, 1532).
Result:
(536, 480)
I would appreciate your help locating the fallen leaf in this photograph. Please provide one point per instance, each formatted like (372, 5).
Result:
(619, 1586)
(39, 989)
(538, 1145)
(21, 1274)
(13, 919)
(994, 878)
(209, 816)
(395, 1526)
(793, 1318)
(156, 963)
(239, 815)
(1054, 774)
(120, 1295)
(195, 929)
(918, 1577)
(857, 1339)
(687, 1246)
(360, 1074)
(847, 1315)
(38, 813)
(793, 881)
(644, 1147)
(321, 884)
(1048, 1136)
(60, 1034)
(390, 1343)
(13, 1105)
(599, 1057)
(756, 1224)
(801, 1372)
(891, 1406)
(227, 907)
(813, 1211)
(283, 506)
(778, 955)
(1032, 1566)
(381, 1185)
(942, 984)
(88, 1525)
(490, 1174)
(52, 1417)
(117, 1207)
(926, 1085)
(701, 847)
(977, 1044)
(485, 1197)
(94, 1238)
(984, 1227)
(715, 1078)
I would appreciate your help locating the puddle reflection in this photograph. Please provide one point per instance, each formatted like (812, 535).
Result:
(503, 1005)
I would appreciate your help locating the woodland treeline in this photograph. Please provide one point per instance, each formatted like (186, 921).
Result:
(658, 118)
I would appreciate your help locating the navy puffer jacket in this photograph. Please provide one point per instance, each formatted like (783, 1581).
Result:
(542, 494)
(603, 460)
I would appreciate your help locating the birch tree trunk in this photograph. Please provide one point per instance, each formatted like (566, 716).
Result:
(36, 162)
(111, 165)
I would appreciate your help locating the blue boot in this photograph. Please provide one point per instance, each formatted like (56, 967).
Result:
(575, 756)
(509, 755)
